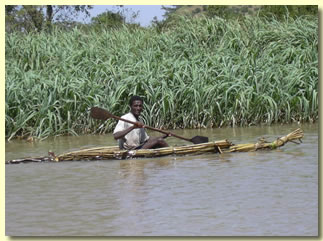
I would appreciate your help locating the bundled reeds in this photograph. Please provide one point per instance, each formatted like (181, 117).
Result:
(295, 135)
(217, 147)
(200, 73)
(114, 152)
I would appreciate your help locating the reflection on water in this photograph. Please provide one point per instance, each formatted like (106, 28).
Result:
(257, 193)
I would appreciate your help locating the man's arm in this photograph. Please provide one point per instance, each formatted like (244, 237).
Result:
(121, 134)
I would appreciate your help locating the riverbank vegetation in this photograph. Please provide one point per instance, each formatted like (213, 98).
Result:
(200, 72)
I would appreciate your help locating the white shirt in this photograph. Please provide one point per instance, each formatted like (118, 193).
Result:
(135, 137)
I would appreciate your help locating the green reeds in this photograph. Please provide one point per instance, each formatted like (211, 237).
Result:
(199, 73)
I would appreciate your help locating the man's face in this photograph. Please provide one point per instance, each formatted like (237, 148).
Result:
(136, 108)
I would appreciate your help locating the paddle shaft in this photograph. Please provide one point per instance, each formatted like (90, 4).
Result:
(151, 128)
(102, 114)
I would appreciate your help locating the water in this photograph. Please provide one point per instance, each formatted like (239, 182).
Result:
(264, 193)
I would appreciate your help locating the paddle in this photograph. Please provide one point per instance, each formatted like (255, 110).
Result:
(102, 114)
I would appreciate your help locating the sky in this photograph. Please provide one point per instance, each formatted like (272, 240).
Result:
(146, 12)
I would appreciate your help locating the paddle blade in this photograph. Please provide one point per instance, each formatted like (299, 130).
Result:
(99, 113)
(199, 139)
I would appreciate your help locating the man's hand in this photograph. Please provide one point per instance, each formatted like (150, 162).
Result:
(139, 124)
(166, 135)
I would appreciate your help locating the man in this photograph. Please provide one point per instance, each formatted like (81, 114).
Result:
(132, 136)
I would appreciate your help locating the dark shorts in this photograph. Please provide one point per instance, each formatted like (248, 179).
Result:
(140, 146)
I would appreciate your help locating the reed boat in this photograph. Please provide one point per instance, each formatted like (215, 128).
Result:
(113, 152)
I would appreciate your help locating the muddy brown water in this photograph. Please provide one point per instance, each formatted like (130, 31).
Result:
(264, 193)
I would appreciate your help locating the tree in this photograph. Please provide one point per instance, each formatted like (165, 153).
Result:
(217, 10)
(170, 18)
(115, 18)
(280, 11)
(108, 19)
(170, 10)
(28, 18)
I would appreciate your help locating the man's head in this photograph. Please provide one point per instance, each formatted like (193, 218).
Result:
(136, 105)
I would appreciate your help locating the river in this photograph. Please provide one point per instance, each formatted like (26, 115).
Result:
(263, 193)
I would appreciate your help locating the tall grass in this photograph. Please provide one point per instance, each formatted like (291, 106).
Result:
(199, 73)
